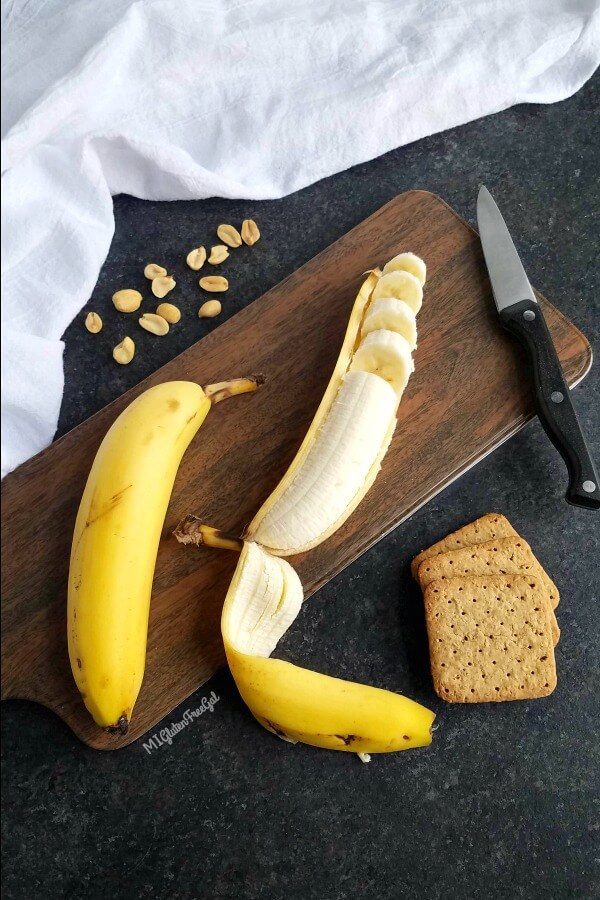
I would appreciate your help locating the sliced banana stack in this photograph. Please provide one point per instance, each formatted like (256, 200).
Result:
(341, 454)
(332, 471)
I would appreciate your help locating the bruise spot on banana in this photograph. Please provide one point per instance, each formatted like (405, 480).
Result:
(347, 739)
(174, 405)
(112, 504)
(79, 663)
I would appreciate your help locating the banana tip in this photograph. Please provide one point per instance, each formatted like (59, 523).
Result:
(120, 727)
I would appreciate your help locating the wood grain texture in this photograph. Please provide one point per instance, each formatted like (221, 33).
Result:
(468, 394)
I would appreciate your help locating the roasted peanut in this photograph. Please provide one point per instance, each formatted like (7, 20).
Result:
(169, 312)
(93, 322)
(250, 232)
(218, 254)
(210, 309)
(153, 271)
(162, 285)
(196, 258)
(127, 300)
(124, 352)
(229, 235)
(214, 283)
(153, 323)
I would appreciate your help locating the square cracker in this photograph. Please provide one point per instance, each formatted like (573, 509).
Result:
(506, 556)
(487, 528)
(489, 639)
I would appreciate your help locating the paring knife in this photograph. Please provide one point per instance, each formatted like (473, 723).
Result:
(521, 314)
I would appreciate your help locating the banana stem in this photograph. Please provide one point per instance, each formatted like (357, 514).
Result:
(221, 390)
(191, 530)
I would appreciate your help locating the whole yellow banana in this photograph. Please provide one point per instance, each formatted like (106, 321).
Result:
(116, 539)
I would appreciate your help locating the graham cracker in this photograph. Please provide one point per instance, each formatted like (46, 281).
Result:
(506, 556)
(488, 528)
(489, 639)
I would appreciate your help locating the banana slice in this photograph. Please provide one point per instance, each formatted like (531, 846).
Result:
(407, 262)
(401, 285)
(340, 465)
(393, 315)
(386, 354)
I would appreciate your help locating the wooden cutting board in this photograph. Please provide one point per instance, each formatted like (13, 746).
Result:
(468, 394)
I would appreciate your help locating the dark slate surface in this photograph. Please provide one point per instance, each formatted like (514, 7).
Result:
(502, 805)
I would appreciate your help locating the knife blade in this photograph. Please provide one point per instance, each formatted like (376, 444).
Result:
(521, 314)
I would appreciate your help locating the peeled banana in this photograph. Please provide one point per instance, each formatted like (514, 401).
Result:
(296, 704)
(116, 539)
(342, 452)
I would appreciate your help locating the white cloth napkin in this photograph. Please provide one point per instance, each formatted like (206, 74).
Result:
(172, 99)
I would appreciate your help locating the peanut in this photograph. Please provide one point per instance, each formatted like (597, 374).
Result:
(162, 285)
(93, 323)
(169, 312)
(210, 309)
(218, 254)
(250, 232)
(124, 352)
(127, 300)
(214, 283)
(196, 258)
(229, 235)
(153, 271)
(153, 323)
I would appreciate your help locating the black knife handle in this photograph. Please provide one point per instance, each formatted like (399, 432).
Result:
(526, 322)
